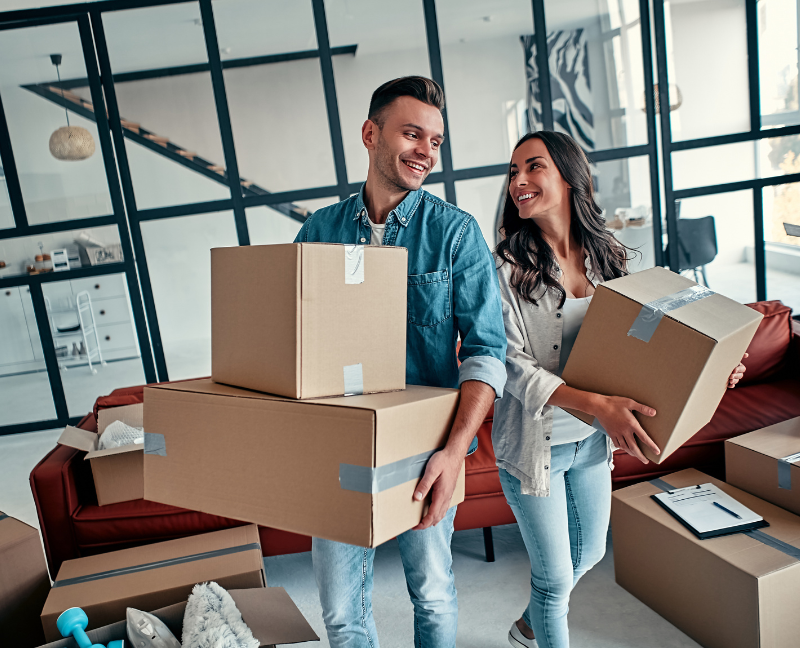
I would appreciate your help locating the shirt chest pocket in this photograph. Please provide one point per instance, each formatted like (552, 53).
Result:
(428, 298)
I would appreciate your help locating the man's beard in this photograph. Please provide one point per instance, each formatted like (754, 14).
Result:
(388, 174)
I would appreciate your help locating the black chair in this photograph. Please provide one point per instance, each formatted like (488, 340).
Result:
(697, 245)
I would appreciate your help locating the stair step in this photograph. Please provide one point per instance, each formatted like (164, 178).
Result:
(132, 126)
(66, 94)
(218, 168)
(189, 155)
(158, 139)
(246, 183)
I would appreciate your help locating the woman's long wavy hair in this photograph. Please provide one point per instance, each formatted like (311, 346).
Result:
(525, 248)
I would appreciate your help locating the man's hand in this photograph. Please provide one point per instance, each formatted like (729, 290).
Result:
(737, 374)
(441, 475)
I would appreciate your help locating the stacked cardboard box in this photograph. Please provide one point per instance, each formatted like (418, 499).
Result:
(294, 322)
(24, 583)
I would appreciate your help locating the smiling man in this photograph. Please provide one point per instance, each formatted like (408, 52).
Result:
(452, 291)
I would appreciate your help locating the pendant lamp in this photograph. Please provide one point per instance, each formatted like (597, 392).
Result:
(69, 142)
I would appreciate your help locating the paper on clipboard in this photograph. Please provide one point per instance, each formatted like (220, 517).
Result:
(706, 508)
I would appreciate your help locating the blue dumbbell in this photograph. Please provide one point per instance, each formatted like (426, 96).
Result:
(73, 622)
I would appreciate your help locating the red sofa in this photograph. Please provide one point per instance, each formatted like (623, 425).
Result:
(74, 525)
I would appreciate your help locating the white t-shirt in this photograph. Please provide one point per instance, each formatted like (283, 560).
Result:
(376, 238)
(566, 428)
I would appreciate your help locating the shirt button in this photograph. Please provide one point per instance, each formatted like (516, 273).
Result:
(363, 240)
(547, 438)
(558, 314)
(555, 346)
(547, 467)
(403, 220)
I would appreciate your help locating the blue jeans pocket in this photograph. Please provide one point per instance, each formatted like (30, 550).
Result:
(428, 298)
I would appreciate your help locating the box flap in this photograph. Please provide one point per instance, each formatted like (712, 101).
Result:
(12, 530)
(272, 616)
(82, 440)
(133, 447)
(371, 402)
(715, 316)
(776, 441)
(132, 415)
(742, 551)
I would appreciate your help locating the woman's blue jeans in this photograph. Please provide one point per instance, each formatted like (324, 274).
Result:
(565, 533)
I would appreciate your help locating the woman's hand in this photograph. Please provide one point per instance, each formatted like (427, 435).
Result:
(616, 416)
(737, 373)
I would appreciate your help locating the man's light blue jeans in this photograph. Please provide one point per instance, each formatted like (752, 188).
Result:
(344, 578)
(565, 533)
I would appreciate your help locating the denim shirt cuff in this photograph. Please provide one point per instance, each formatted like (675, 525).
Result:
(486, 369)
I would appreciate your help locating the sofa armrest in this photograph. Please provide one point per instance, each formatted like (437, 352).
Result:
(59, 486)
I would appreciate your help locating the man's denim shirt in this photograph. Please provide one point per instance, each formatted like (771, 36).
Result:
(452, 286)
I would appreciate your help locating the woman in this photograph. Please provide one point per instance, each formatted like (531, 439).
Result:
(556, 470)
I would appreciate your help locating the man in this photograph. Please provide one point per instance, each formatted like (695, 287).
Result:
(452, 290)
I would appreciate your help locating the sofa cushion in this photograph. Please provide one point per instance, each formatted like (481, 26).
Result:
(770, 346)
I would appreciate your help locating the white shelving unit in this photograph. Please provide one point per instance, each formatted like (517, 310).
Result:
(85, 332)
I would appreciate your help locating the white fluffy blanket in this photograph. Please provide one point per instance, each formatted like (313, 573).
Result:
(212, 620)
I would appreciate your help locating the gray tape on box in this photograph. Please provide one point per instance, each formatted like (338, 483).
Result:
(3, 516)
(756, 534)
(353, 380)
(785, 470)
(650, 315)
(122, 571)
(155, 444)
(364, 479)
(354, 264)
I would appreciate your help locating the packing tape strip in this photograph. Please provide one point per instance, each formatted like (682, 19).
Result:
(650, 315)
(364, 479)
(353, 379)
(785, 470)
(756, 534)
(123, 571)
(155, 444)
(354, 264)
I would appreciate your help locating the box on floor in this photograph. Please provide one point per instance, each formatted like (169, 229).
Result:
(344, 469)
(24, 583)
(118, 472)
(734, 591)
(271, 615)
(662, 340)
(762, 463)
(297, 319)
(153, 576)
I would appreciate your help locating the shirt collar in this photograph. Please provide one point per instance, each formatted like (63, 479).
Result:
(404, 212)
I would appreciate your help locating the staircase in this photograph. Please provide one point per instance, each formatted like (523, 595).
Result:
(163, 146)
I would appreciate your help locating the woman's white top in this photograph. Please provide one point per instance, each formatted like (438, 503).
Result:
(567, 428)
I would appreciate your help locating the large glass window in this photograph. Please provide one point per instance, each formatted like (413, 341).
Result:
(782, 243)
(481, 197)
(51, 126)
(169, 120)
(778, 62)
(6, 213)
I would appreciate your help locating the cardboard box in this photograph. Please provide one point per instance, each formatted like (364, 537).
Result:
(729, 592)
(303, 466)
(271, 615)
(309, 320)
(118, 472)
(681, 370)
(153, 576)
(24, 583)
(763, 463)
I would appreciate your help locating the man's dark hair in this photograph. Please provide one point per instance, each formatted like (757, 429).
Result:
(420, 88)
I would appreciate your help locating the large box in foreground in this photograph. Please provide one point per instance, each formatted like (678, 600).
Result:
(662, 340)
(765, 463)
(153, 576)
(307, 320)
(24, 583)
(736, 591)
(271, 615)
(344, 469)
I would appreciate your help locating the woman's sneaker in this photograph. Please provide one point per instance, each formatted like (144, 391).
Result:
(519, 640)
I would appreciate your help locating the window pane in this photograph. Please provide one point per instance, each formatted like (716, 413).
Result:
(170, 121)
(623, 192)
(597, 74)
(25, 394)
(36, 108)
(180, 274)
(95, 338)
(391, 40)
(484, 75)
(782, 241)
(707, 59)
(268, 226)
(277, 108)
(90, 246)
(777, 62)
(6, 214)
(481, 197)
(731, 270)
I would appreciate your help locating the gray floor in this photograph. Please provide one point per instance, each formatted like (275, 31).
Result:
(491, 595)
